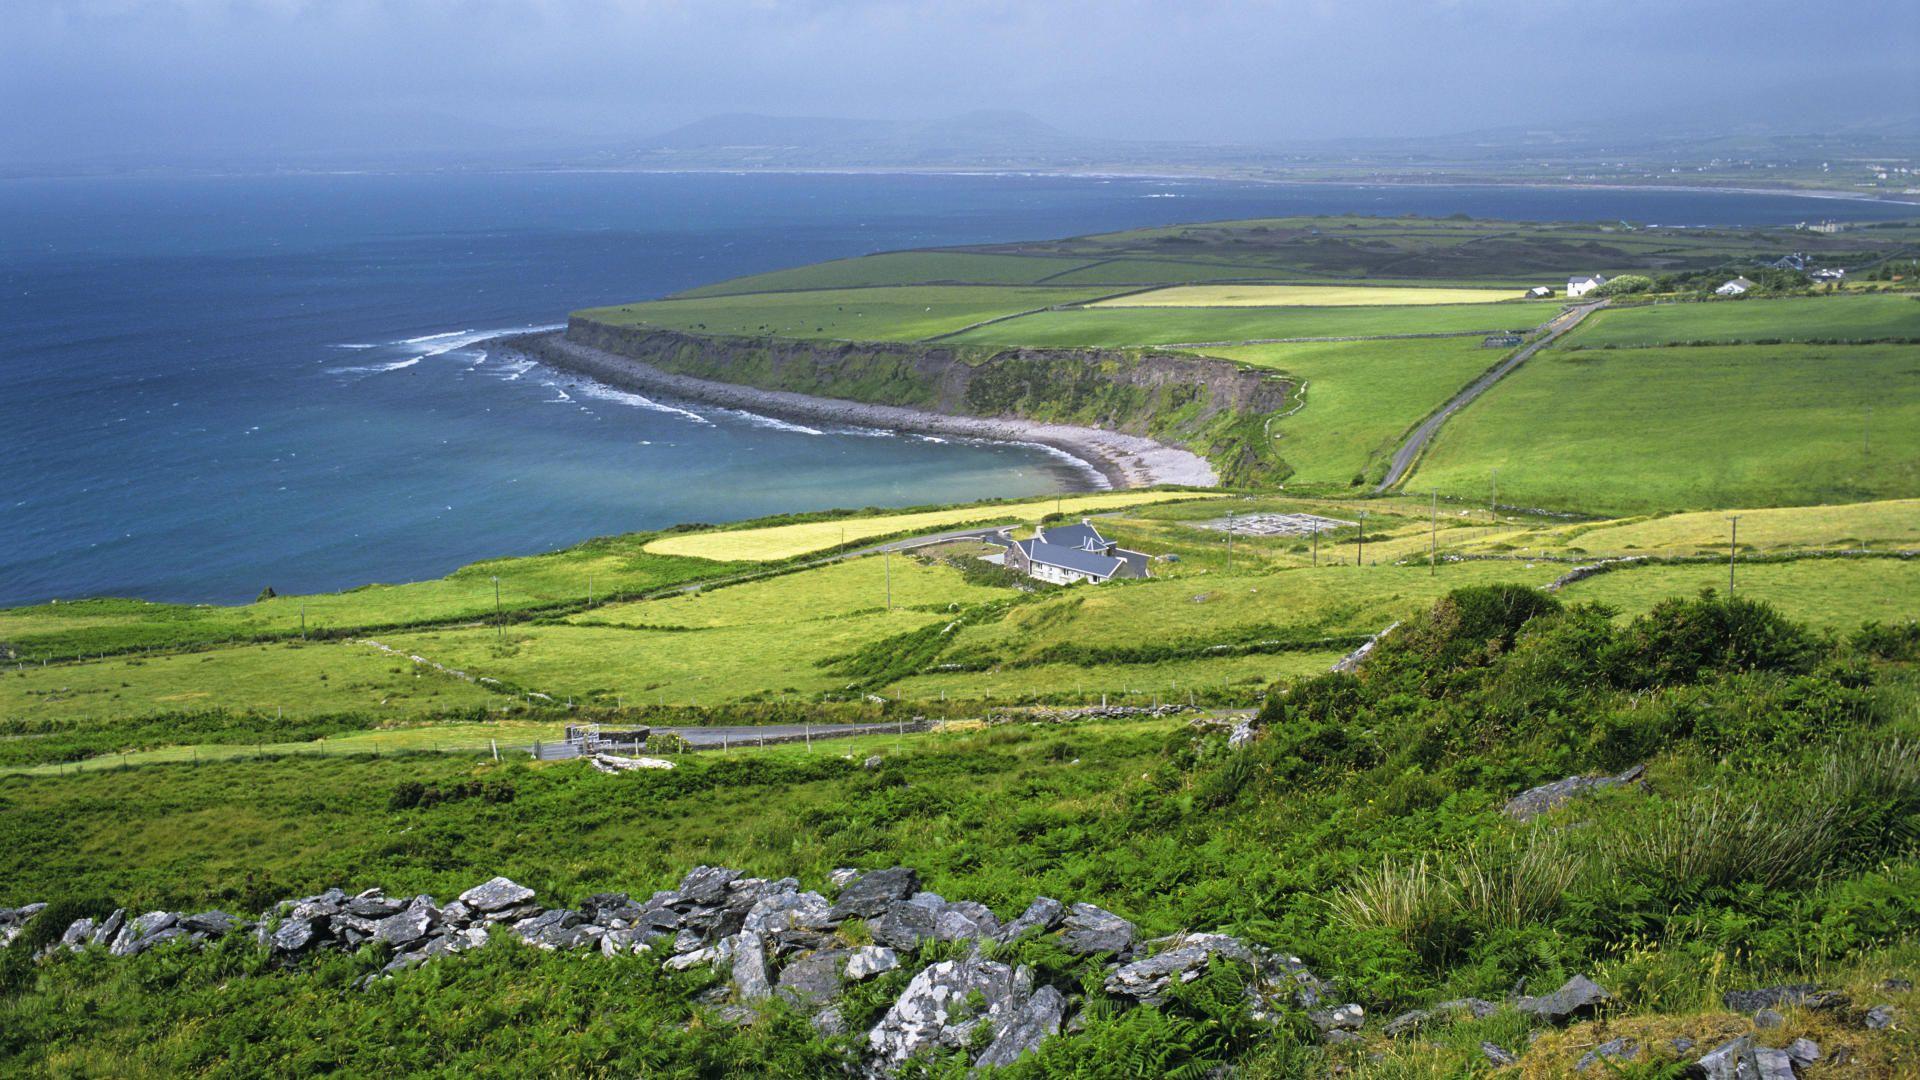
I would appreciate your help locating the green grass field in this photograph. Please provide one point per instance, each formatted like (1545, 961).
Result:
(1824, 318)
(316, 678)
(1306, 296)
(1838, 594)
(1890, 524)
(1629, 431)
(1361, 398)
(898, 268)
(907, 313)
(1174, 325)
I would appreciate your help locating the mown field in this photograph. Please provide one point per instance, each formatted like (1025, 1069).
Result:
(1305, 296)
(1635, 430)
(1123, 326)
(1821, 318)
(908, 313)
(1361, 398)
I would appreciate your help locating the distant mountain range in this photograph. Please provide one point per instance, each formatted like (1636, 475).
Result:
(986, 138)
(1016, 140)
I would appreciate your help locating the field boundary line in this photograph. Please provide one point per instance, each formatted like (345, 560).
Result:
(1410, 451)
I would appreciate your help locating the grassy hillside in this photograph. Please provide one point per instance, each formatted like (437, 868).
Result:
(1360, 398)
(1349, 833)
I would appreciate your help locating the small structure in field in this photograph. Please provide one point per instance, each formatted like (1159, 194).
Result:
(1275, 524)
(1581, 286)
(1826, 275)
(1067, 554)
(1540, 292)
(1739, 286)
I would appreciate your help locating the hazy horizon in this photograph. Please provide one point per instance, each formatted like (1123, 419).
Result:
(143, 81)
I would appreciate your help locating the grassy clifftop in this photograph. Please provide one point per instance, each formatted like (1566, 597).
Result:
(1214, 407)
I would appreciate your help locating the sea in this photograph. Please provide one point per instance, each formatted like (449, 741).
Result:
(214, 385)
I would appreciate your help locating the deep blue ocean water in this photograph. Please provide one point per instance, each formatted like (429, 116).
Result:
(212, 385)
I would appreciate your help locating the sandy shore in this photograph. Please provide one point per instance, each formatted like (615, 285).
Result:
(1124, 461)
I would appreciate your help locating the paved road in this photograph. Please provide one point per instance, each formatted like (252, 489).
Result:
(715, 738)
(1409, 451)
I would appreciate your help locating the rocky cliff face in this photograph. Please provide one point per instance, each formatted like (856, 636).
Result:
(1200, 403)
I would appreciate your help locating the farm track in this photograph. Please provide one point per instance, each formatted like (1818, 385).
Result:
(1410, 450)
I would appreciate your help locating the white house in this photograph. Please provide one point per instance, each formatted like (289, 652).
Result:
(1068, 554)
(1581, 286)
(1739, 286)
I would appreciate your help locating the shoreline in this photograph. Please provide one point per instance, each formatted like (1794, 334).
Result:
(1836, 194)
(1122, 461)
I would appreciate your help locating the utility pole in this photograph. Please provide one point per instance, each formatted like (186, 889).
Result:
(1316, 543)
(1733, 545)
(1493, 502)
(1433, 539)
(1361, 559)
(499, 619)
(589, 590)
(303, 622)
(889, 562)
(1229, 541)
(1867, 435)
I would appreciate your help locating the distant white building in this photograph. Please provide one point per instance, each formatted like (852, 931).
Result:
(1739, 286)
(1581, 286)
(1539, 292)
(1828, 275)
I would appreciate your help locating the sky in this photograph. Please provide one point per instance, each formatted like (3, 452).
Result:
(131, 78)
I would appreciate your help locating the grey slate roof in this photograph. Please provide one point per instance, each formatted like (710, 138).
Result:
(1083, 536)
(1070, 558)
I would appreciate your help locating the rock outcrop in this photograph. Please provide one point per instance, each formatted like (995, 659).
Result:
(1533, 802)
(774, 941)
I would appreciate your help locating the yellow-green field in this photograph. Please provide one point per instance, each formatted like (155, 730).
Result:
(1305, 296)
(777, 542)
(1886, 524)
(307, 678)
(1835, 594)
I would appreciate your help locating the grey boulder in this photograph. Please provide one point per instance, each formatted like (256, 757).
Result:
(945, 1004)
(296, 935)
(1339, 1018)
(868, 896)
(752, 976)
(813, 978)
(1577, 997)
(1088, 930)
(1533, 802)
(868, 961)
(1611, 1050)
(1798, 995)
(498, 894)
(1182, 961)
(1041, 916)
(1024, 1027)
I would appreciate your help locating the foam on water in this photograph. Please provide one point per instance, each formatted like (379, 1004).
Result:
(602, 392)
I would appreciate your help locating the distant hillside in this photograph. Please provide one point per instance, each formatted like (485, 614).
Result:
(985, 137)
